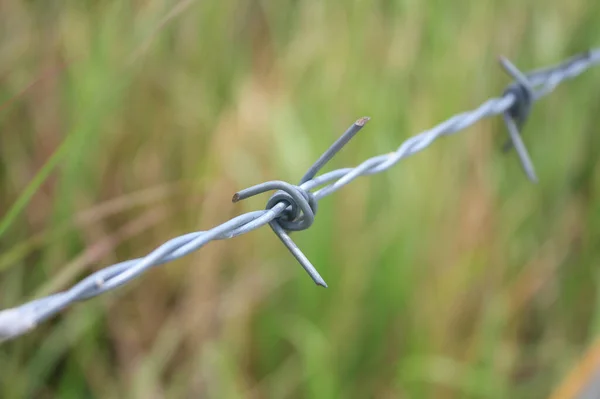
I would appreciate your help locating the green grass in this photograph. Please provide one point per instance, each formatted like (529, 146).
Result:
(450, 276)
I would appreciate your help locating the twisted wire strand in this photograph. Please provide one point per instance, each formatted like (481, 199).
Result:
(21, 319)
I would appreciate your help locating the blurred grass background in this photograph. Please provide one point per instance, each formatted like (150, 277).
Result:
(124, 124)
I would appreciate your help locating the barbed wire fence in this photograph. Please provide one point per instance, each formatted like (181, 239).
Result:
(293, 207)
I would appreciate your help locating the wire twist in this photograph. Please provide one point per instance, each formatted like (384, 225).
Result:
(293, 207)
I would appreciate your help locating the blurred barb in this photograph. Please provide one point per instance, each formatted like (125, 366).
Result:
(18, 320)
(515, 116)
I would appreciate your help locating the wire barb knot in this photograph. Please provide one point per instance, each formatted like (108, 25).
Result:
(515, 116)
(521, 108)
(298, 215)
(298, 206)
(294, 206)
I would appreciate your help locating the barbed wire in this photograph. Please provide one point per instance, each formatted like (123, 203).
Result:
(293, 207)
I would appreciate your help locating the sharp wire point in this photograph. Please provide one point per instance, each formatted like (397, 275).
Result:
(334, 149)
(519, 146)
(514, 72)
(362, 121)
(298, 254)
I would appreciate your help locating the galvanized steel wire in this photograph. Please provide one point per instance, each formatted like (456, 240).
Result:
(293, 207)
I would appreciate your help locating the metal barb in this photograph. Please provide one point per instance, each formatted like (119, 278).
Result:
(298, 254)
(517, 114)
(282, 216)
(515, 73)
(517, 142)
(334, 149)
(297, 198)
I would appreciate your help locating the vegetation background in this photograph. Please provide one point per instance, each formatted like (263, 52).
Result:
(124, 124)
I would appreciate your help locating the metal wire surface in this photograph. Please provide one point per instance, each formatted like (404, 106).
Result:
(293, 207)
